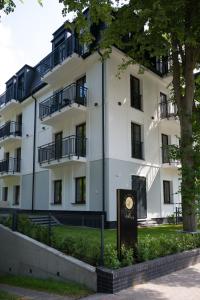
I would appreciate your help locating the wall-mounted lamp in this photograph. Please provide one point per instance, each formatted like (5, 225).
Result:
(152, 118)
(27, 135)
(44, 128)
(96, 104)
(119, 103)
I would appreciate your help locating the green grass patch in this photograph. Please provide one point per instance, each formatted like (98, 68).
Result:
(46, 285)
(7, 296)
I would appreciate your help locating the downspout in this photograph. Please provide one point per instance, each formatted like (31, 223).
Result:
(103, 159)
(34, 152)
(103, 131)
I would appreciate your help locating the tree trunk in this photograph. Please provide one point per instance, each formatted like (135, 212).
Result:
(188, 177)
(187, 153)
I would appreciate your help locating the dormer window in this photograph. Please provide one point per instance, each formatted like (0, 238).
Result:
(21, 86)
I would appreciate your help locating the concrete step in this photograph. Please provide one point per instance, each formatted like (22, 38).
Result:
(43, 220)
(147, 223)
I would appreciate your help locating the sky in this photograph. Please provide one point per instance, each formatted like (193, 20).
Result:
(25, 35)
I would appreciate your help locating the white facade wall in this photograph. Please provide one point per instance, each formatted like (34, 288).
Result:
(118, 120)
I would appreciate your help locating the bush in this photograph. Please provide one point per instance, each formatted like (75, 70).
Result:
(171, 219)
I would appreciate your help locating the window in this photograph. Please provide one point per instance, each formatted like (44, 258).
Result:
(80, 190)
(18, 160)
(135, 93)
(136, 143)
(16, 195)
(21, 86)
(165, 149)
(167, 192)
(5, 193)
(58, 192)
(81, 91)
(58, 144)
(81, 140)
(163, 106)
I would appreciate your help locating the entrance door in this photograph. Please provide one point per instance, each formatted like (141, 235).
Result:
(81, 140)
(18, 160)
(139, 186)
(58, 145)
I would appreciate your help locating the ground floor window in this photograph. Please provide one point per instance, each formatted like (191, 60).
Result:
(58, 192)
(167, 192)
(16, 194)
(5, 193)
(80, 190)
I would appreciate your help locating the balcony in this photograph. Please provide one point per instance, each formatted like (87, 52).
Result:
(58, 62)
(168, 110)
(8, 101)
(71, 99)
(10, 167)
(167, 160)
(10, 132)
(61, 152)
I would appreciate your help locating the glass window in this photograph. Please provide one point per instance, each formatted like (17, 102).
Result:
(58, 192)
(81, 190)
(5, 193)
(136, 143)
(16, 194)
(135, 93)
(167, 192)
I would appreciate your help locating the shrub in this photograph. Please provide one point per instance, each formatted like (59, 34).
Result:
(110, 257)
(171, 219)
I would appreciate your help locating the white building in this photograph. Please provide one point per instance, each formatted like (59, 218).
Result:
(51, 134)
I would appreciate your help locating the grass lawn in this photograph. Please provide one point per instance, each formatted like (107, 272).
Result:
(93, 235)
(6, 296)
(50, 286)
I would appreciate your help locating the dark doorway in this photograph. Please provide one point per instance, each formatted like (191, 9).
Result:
(58, 145)
(139, 186)
(81, 139)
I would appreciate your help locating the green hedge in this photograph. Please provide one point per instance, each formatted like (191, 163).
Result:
(148, 248)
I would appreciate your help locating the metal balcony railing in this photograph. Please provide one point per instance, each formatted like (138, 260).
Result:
(168, 109)
(137, 149)
(73, 93)
(66, 147)
(59, 54)
(11, 165)
(8, 96)
(166, 156)
(10, 128)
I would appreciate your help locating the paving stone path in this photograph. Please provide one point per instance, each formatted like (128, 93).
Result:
(28, 294)
(181, 285)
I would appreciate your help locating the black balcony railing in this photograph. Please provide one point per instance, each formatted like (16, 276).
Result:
(7, 96)
(66, 147)
(10, 128)
(167, 156)
(137, 149)
(11, 165)
(168, 109)
(59, 54)
(74, 93)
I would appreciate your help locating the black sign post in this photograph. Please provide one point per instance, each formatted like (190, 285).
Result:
(126, 219)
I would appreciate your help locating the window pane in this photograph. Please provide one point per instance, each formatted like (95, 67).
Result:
(58, 192)
(166, 192)
(81, 190)
(136, 141)
(135, 92)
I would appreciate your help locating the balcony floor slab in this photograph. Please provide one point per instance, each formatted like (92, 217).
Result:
(63, 162)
